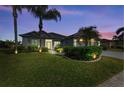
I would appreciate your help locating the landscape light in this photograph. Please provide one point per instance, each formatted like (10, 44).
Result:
(16, 52)
(94, 56)
(40, 50)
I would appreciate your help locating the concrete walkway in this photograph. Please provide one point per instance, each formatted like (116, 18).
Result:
(117, 80)
(119, 55)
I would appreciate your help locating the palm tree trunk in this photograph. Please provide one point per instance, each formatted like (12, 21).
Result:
(15, 28)
(86, 42)
(40, 30)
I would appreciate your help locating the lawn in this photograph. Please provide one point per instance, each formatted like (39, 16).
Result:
(116, 50)
(34, 69)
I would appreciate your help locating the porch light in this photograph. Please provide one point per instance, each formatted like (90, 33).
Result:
(81, 40)
(94, 56)
(92, 40)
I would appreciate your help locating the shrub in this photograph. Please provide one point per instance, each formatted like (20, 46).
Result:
(44, 49)
(59, 49)
(83, 53)
(32, 48)
(21, 48)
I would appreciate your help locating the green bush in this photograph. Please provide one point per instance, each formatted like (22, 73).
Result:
(83, 52)
(21, 48)
(32, 48)
(59, 48)
(44, 49)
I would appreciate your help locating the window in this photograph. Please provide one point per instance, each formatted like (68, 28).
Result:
(34, 42)
(92, 42)
(56, 43)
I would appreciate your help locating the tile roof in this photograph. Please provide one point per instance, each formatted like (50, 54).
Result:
(35, 34)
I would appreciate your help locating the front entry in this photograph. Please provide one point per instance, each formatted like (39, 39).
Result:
(48, 43)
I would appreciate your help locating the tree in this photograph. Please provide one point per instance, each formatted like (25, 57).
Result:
(115, 37)
(15, 9)
(120, 33)
(88, 33)
(43, 13)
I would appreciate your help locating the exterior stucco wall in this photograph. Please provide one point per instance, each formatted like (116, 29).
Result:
(67, 42)
(30, 42)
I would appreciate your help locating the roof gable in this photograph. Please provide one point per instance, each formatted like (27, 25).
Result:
(44, 35)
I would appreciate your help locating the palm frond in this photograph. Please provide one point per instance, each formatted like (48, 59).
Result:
(37, 10)
(52, 14)
(120, 30)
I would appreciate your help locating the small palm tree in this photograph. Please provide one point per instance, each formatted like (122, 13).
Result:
(43, 13)
(15, 9)
(115, 37)
(120, 33)
(120, 30)
(87, 33)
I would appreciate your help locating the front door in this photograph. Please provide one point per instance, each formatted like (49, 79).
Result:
(48, 43)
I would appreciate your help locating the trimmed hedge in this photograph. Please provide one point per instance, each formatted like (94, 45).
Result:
(82, 53)
(44, 49)
(23, 49)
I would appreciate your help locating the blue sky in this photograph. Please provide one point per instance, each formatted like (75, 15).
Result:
(107, 19)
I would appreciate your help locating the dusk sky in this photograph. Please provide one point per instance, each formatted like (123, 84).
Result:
(107, 19)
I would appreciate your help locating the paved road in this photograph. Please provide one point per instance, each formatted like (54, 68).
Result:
(119, 55)
(117, 80)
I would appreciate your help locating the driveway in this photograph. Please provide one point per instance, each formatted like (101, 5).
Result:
(119, 55)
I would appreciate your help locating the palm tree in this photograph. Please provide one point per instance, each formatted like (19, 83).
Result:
(43, 13)
(120, 30)
(115, 37)
(15, 9)
(120, 33)
(88, 33)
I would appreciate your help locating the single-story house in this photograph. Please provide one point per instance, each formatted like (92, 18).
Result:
(77, 39)
(106, 43)
(51, 40)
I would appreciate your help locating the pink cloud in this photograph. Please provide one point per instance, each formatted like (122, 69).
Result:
(107, 35)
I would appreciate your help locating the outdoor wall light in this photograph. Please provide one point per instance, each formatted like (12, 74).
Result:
(81, 40)
(92, 40)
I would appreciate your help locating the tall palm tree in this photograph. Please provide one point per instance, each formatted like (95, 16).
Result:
(15, 9)
(87, 33)
(43, 13)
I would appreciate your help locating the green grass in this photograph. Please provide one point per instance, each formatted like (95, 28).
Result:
(34, 69)
(116, 50)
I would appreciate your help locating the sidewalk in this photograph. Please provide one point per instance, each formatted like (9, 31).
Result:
(115, 81)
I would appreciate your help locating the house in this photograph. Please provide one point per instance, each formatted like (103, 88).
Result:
(77, 39)
(106, 43)
(51, 40)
